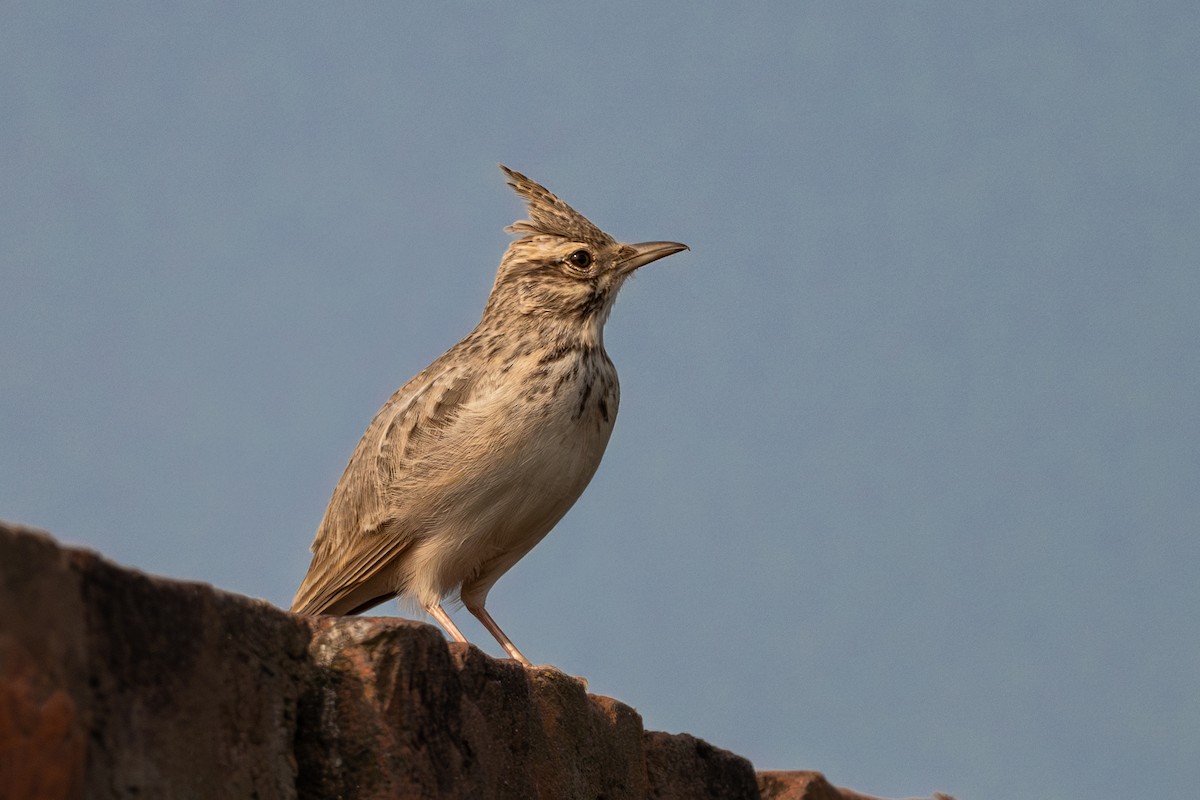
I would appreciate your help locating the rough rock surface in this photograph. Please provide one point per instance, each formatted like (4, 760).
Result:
(115, 684)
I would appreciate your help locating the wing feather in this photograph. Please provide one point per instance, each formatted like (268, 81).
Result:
(367, 527)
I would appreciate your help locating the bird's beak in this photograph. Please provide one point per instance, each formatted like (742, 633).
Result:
(639, 255)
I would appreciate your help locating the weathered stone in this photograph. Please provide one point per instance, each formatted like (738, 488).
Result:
(809, 785)
(399, 713)
(115, 684)
(800, 785)
(43, 688)
(682, 767)
(43, 692)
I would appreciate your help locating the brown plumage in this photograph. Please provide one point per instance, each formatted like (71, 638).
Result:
(473, 461)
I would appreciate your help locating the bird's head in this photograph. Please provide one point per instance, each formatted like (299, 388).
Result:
(563, 269)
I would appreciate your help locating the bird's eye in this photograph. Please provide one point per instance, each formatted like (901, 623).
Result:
(580, 258)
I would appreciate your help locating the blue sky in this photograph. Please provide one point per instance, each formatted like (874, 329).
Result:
(904, 484)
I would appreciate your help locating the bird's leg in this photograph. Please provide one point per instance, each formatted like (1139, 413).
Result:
(439, 613)
(483, 616)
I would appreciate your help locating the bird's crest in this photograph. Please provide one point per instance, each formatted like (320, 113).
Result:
(549, 216)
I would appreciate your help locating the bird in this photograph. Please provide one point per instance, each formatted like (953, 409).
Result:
(472, 462)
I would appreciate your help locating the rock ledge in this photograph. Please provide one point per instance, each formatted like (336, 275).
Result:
(116, 684)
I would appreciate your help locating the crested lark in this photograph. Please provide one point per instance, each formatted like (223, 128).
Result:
(474, 460)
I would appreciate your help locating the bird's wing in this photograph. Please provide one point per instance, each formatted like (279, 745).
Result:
(367, 525)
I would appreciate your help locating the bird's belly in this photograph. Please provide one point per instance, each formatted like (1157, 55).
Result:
(527, 471)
